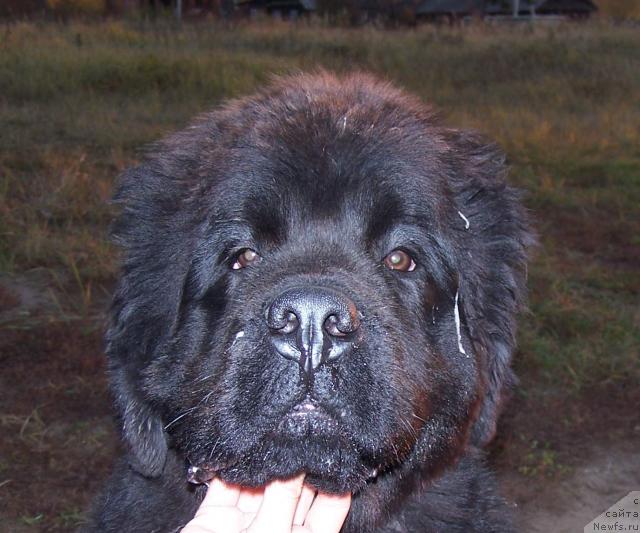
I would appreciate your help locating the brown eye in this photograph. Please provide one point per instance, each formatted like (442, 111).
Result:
(245, 258)
(399, 260)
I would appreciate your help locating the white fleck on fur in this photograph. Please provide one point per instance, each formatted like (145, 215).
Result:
(456, 314)
(238, 336)
(466, 220)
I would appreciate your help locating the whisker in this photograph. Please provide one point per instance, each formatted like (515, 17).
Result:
(411, 429)
(205, 398)
(213, 448)
(180, 416)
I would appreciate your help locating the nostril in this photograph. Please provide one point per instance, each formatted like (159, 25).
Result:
(331, 325)
(282, 321)
(291, 323)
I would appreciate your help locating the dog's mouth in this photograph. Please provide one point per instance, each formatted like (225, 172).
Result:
(306, 423)
(307, 419)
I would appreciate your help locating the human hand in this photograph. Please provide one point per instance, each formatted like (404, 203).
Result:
(280, 507)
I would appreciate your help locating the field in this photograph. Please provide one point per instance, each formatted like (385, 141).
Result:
(78, 102)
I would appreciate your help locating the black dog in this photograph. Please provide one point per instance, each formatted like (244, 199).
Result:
(319, 278)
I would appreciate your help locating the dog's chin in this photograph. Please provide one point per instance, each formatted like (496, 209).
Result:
(309, 442)
(328, 470)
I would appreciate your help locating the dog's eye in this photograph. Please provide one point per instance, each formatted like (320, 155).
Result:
(245, 258)
(400, 260)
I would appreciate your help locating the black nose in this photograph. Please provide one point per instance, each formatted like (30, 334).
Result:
(312, 325)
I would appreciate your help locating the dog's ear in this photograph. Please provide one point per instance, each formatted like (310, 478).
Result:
(142, 428)
(152, 232)
(495, 236)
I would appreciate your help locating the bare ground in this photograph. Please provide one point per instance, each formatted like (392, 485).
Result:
(603, 476)
(562, 461)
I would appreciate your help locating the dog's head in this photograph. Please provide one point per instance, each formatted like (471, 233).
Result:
(320, 279)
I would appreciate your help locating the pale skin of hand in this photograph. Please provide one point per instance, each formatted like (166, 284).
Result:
(280, 507)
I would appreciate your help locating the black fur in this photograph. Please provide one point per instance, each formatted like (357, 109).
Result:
(323, 176)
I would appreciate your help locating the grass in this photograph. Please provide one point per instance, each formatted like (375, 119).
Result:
(78, 101)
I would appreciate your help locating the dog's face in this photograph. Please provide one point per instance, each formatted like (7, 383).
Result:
(318, 279)
(317, 330)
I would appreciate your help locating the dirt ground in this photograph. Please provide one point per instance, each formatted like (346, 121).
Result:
(563, 461)
(561, 458)
(603, 476)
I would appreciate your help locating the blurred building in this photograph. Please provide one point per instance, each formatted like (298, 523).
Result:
(19, 8)
(359, 11)
(193, 7)
(288, 8)
(460, 9)
(426, 9)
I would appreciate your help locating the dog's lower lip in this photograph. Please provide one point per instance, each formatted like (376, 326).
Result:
(305, 407)
(309, 409)
(304, 421)
(309, 418)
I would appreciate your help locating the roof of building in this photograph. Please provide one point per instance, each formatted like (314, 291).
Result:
(464, 7)
(432, 7)
(309, 5)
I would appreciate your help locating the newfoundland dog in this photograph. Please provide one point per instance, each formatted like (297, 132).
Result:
(318, 278)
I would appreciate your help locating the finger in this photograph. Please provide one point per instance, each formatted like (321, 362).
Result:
(217, 512)
(216, 520)
(220, 494)
(245, 521)
(305, 501)
(328, 512)
(278, 506)
(250, 499)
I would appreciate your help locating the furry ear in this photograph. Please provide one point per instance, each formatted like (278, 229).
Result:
(495, 236)
(142, 429)
(150, 231)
